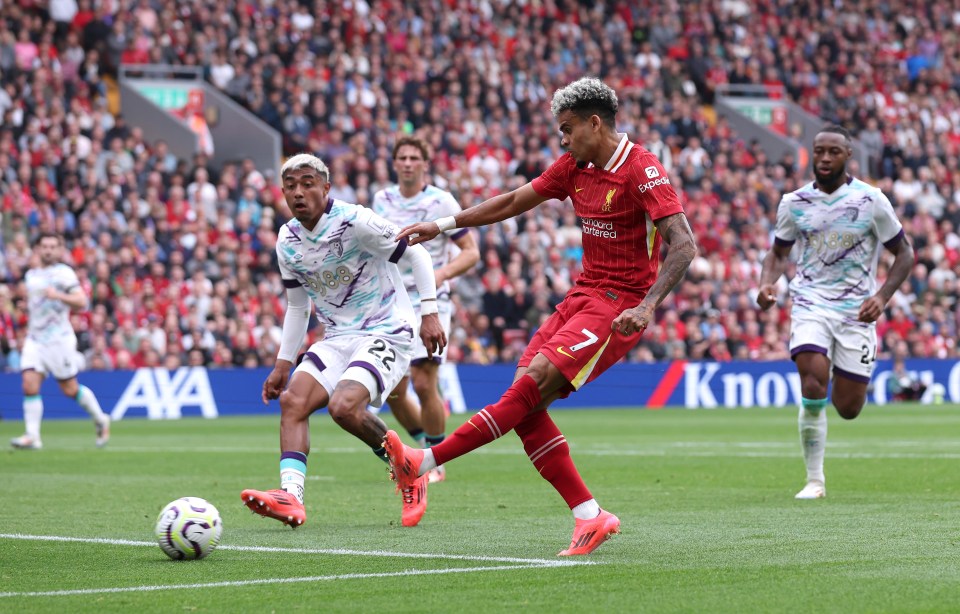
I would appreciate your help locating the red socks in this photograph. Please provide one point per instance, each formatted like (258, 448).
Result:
(544, 443)
(548, 451)
(491, 422)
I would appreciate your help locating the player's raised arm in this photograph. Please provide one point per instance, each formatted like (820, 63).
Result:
(681, 250)
(492, 210)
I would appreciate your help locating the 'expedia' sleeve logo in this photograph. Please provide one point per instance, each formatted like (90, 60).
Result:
(643, 187)
(652, 172)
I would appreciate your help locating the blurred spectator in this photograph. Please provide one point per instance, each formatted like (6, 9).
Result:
(901, 385)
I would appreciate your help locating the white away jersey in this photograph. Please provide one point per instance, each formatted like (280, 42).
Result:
(49, 319)
(839, 237)
(347, 264)
(427, 205)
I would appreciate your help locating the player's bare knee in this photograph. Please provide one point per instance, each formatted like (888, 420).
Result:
(546, 375)
(293, 406)
(848, 408)
(70, 388)
(343, 411)
(812, 388)
(425, 386)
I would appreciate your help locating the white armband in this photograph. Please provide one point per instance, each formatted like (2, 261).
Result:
(446, 223)
(428, 307)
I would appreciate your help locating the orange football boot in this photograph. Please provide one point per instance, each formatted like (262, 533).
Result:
(414, 502)
(277, 504)
(589, 534)
(404, 461)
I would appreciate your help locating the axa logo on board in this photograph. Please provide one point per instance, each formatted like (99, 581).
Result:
(164, 393)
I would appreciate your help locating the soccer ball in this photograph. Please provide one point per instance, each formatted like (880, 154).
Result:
(188, 528)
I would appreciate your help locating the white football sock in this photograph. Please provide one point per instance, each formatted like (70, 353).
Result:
(428, 461)
(32, 415)
(587, 510)
(88, 401)
(292, 481)
(813, 439)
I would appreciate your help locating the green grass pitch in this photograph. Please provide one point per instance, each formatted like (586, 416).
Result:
(705, 498)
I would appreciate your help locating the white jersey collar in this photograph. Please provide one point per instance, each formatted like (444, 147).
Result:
(619, 155)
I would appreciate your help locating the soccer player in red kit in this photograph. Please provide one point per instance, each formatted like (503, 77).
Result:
(628, 208)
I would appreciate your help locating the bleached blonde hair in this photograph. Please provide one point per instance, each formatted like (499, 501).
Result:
(586, 96)
(302, 160)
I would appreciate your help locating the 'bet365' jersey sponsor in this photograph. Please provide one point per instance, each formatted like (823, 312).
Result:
(347, 265)
(838, 237)
(618, 205)
(49, 318)
(427, 205)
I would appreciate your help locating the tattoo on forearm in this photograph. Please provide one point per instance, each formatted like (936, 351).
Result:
(680, 253)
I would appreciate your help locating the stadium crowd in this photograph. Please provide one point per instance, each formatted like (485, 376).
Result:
(178, 256)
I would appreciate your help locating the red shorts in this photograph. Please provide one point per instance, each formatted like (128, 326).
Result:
(579, 341)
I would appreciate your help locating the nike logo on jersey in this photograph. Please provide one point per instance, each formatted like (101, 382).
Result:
(579, 190)
(564, 352)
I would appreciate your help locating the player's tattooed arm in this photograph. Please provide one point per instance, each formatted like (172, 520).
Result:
(681, 250)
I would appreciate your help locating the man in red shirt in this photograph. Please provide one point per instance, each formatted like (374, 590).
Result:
(628, 208)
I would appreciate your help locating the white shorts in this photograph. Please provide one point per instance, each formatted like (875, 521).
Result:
(850, 346)
(59, 358)
(445, 311)
(372, 361)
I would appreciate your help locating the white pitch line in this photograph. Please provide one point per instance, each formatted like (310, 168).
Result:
(333, 551)
(683, 448)
(745, 454)
(351, 576)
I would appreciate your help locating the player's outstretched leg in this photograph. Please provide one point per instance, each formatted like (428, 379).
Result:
(488, 424)
(549, 452)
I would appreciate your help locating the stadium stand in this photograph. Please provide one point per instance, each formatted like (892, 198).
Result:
(178, 255)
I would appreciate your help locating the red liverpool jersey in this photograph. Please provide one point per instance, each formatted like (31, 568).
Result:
(617, 205)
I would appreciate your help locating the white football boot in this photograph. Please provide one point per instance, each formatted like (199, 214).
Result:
(813, 490)
(25, 442)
